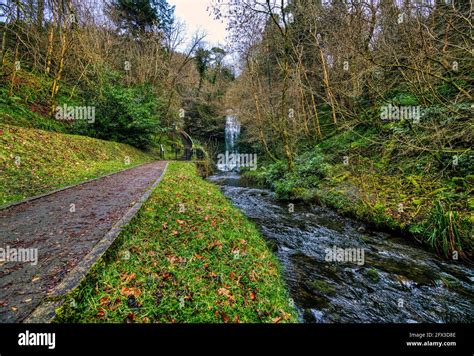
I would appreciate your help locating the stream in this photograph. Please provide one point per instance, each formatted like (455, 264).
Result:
(389, 278)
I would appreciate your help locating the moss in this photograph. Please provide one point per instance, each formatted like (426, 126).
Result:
(373, 275)
(254, 178)
(323, 287)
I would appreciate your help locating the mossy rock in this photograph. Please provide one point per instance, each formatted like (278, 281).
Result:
(373, 275)
(323, 287)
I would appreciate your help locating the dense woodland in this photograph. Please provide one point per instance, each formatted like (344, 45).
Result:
(312, 95)
(119, 56)
(309, 87)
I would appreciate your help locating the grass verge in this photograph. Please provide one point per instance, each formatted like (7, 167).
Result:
(187, 256)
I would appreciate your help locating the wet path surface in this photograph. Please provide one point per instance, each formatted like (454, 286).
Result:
(63, 227)
(396, 281)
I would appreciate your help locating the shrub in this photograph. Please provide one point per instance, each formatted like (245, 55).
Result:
(443, 230)
(126, 114)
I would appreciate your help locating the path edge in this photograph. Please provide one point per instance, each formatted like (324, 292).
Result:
(45, 312)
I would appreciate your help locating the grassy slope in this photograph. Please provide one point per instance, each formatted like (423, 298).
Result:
(201, 261)
(34, 161)
(28, 106)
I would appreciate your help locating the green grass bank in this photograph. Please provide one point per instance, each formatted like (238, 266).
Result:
(188, 256)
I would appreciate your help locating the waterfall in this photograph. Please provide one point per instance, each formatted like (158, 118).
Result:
(232, 132)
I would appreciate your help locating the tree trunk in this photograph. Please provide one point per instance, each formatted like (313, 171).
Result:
(49, 52)
(14, 69)
(57, 78)
(4, 46)
(326, 84)
(40, 14)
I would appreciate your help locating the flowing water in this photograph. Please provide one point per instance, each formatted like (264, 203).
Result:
(397, 281)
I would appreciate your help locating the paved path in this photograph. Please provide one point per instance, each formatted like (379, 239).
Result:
(61, 235)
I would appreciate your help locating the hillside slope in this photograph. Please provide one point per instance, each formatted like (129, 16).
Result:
(33, 161)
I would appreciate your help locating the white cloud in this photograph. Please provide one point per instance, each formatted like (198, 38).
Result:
(197, 17)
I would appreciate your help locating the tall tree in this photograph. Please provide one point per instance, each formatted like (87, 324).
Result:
(165, 15)
(140, 16)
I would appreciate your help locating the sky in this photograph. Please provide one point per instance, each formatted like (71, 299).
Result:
(196, 16)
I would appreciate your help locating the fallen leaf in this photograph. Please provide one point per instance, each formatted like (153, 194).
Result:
(130, 291)
(225, 318)
(100, 313)
(128, 277)
(104, 301)
(226, 293)
(175, 259)
(130, 318)
(116, 304)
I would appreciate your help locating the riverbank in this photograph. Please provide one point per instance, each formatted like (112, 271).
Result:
(346, 173)
(188, 256)
(340, 270)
